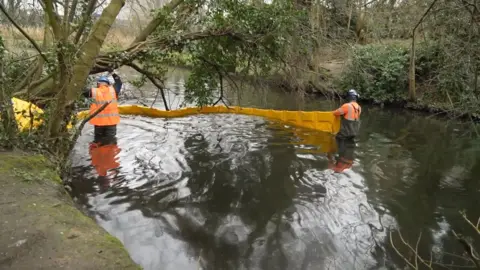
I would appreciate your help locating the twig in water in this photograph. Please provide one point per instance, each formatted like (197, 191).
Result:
(477, 228)
(415, 252)
(469, 249)
(398, 252)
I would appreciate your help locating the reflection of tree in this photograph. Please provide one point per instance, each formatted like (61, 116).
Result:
(421, 202)
(256, 187)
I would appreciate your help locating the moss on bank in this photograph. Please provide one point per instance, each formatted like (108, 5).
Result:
(42, 229)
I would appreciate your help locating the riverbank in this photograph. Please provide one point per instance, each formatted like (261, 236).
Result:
(328, 81)
(40, 226)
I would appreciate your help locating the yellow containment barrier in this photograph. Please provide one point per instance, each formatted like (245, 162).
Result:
(325, 122)
(321, 121)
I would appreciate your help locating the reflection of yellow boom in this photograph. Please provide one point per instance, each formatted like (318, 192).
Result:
(324, 142)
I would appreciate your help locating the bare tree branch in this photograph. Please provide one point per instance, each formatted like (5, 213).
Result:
(2, 7)
(78, 132)
(411, 79)
(468, 249)
(73, 9)
(86, 18)
(152, 78)
(153, 24)
(52, 18)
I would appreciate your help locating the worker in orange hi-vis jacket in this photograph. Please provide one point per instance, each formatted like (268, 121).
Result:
(350, 112)
(105, 123)
(349, 129)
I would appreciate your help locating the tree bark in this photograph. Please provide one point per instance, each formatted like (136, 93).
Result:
(90, 49)
(412, 91)
(6, 109)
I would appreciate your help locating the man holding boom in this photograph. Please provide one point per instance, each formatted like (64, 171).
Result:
(105, 123)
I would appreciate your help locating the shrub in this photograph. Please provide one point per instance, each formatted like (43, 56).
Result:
(443, 76)
(379, 72)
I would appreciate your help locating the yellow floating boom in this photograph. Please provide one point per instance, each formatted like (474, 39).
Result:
(321, 121)
(325, 122)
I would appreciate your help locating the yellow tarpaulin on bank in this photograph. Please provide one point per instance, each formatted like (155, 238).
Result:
(26, 114)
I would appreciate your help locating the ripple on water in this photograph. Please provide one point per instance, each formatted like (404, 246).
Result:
(228, 192)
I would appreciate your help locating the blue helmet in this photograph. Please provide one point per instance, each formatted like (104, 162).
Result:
(103, 79)
(353, 93)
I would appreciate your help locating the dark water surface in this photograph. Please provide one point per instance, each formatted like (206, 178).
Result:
(241, 192)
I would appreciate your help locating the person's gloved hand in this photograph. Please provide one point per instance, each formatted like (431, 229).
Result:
(112, 71)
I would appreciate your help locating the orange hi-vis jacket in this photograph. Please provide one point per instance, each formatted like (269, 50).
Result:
(110, 115)
(104, 158)
(350, 111)
(350, 124)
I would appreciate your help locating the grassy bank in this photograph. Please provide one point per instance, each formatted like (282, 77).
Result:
(42, 229)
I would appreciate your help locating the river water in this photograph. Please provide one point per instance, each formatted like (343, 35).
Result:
(241, 192)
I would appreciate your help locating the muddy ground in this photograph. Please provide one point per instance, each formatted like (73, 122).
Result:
(40, 228)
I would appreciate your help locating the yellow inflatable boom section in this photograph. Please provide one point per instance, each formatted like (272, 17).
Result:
(26, 114)
(321, 121)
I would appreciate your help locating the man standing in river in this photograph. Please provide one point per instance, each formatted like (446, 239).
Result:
(105, 123)
(350, 123)
(349, 128)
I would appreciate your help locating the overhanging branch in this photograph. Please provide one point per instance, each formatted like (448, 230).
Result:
(152, 78)
(153, 24)
(114, 60)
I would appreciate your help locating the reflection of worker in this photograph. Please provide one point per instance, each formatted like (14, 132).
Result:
(103, 155)
(346, 155)
(351, 111)
(106, 121)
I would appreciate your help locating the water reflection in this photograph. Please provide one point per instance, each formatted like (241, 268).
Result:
(103, 155)
(247, 195)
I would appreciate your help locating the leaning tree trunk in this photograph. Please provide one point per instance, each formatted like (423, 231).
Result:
(412, 92)
(80, 71)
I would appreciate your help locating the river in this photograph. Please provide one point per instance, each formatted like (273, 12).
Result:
(241, 192)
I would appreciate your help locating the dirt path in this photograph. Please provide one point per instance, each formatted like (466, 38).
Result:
(335, 67)
(41, 229)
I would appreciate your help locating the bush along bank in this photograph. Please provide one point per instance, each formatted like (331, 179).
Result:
(380, 73)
